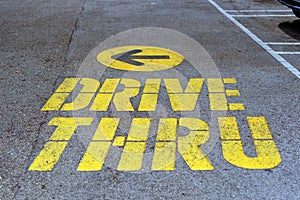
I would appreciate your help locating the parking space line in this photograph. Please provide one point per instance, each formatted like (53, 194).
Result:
(288, 52)
(279, 58)
(253, 11)
(283, 43)
(263, 15)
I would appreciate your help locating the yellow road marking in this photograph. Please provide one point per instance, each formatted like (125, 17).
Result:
(52, 150)
(48, 157)
(86, 94)
(122, 99)
(152, 86)
(194, 124)
(104, 97)
(229, 80)
(119, 141)
(67, 85)
(139, 129)
(215, 85)
(233, 93)
(259, 128)
(217, 101)
(167, 142)
(80, 102)
(267, 153)
(183, 100)
(189, 145)
(167, 129)
(89, 85)
(217, 98)
(132, 156)
(101, 102)
(228, 128)
(61, 94)
(109, 85)
(66, 126)
(236, 106)
(149, 65)
(164, 156)
(106, 129)
(148, 102)
(150, 95)
(174, 86)
(94, 157)
(55, 101)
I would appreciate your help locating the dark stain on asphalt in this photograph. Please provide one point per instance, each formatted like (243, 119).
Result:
(291, 28)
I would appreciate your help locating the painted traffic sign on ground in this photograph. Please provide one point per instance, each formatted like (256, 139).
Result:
(140, 58)
(222, 124)
(183, 97)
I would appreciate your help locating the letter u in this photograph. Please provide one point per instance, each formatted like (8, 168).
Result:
(267, 153)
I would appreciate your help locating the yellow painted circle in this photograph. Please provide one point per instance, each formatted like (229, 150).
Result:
(139, 58)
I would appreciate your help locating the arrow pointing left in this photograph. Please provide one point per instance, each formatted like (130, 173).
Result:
(128, 57)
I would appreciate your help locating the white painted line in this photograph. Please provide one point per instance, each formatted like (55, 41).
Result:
(288, 52)
(283, 43)
(279, 58)
(263, 15)
(249, 11)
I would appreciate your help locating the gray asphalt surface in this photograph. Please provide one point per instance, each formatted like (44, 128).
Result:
(43, 42)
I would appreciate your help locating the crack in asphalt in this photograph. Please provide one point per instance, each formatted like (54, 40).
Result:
(67, 53)
(71, 37)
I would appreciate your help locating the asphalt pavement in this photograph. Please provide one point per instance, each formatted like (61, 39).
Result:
(109, 99)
